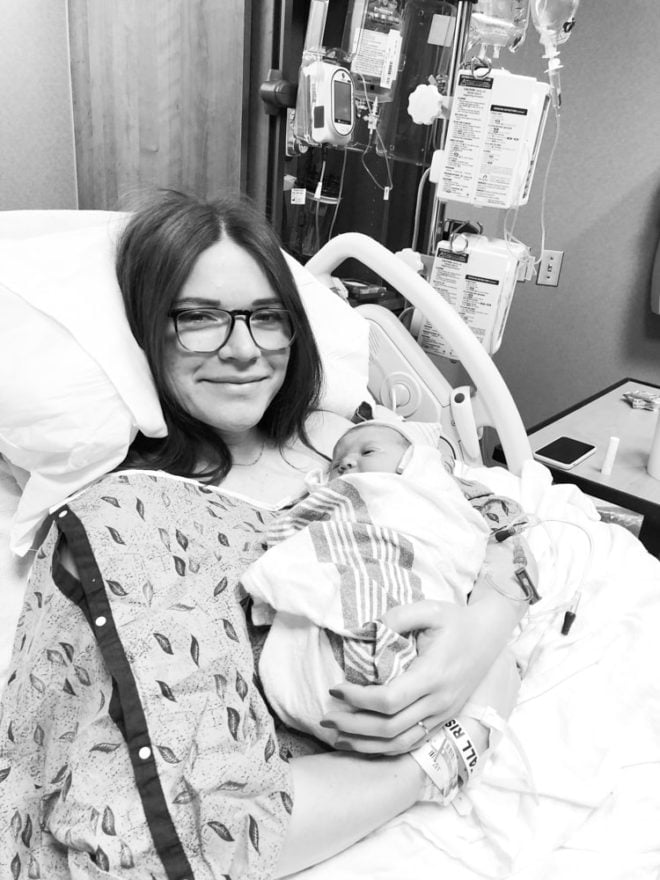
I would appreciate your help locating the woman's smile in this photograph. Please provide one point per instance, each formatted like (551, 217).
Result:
(229, 389)
(234, 381)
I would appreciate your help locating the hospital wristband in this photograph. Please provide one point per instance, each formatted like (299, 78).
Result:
(438, 759)
(463, 746)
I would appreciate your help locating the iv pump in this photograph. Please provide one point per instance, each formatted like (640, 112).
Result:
(332, 103)
(325, 109)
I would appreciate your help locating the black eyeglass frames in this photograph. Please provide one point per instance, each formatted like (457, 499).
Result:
(207, 330)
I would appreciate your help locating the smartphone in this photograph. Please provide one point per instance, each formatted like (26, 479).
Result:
(564, 452)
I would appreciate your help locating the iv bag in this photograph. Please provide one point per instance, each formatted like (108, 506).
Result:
(499, 24)
(372, 39)
(554, 20)
(427, 43)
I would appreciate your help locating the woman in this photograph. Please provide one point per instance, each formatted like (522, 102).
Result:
(135, 741)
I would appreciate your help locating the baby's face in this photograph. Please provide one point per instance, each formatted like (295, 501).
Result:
(368, 449)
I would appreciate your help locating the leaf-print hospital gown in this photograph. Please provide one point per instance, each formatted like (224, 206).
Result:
(134, 741)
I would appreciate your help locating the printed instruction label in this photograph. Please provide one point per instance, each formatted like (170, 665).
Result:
(474, 297)
(377, 55)
(479, 285)
(492, 139)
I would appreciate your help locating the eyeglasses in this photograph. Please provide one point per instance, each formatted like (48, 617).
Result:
(207, 330)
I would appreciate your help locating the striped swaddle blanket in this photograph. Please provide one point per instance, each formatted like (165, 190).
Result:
(338, 560)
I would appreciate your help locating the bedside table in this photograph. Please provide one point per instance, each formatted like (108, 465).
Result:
(595, 420)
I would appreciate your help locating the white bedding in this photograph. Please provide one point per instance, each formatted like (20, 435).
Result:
(588, 718)
(13, 571)
(589, 708)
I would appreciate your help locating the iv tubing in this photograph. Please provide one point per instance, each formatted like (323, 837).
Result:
(546, 178)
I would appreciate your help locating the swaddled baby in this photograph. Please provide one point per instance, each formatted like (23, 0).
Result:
(388, 525)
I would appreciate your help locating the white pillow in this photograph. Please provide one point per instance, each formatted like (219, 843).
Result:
(13, 571)
(28, 223)
(342, 335)
(76, 387)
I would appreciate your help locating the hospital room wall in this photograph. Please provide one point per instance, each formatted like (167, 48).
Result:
(603, 200)
(102, 100)
(37, 151)
(603, 210)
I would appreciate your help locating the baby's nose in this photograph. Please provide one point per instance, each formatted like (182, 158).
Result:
(346, 464)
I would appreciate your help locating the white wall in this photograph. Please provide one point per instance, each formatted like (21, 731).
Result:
(37, 164)
(603, 207)
(603, 210)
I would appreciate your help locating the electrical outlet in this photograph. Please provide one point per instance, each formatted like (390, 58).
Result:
(549, 268)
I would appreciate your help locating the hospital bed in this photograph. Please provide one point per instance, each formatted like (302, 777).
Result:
(398, 367)
(585, 798)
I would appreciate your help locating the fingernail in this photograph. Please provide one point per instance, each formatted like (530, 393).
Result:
(344, 745)
(336, 694)
(331, 724)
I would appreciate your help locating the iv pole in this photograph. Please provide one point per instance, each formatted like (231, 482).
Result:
(459, 45)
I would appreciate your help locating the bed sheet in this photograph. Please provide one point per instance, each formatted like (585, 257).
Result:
(587, 717)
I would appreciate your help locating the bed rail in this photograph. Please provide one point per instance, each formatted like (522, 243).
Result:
(495, 397)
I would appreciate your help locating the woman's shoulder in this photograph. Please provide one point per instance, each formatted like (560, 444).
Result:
(130, 481)
(151, 501)
(118, 485)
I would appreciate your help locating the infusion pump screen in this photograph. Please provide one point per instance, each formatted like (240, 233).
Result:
(343, 98)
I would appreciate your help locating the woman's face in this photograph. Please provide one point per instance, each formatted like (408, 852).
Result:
(231, 389)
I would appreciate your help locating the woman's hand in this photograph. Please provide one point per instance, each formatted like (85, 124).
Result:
(456, 647)
(452, 659)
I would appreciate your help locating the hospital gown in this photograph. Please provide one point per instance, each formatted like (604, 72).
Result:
(134, 742)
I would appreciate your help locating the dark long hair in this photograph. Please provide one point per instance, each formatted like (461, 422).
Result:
(155, 256)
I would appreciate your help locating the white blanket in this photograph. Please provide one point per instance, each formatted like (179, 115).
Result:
(344, 555)
(588, 717)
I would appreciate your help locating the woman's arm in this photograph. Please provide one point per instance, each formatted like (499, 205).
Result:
(339, 798)
(457, 645)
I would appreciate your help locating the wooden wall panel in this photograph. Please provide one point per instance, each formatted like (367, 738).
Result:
(158, 96)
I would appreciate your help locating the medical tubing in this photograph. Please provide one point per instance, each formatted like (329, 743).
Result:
(340, 193)
(491, 719)
(527, 521)
(514, 528)
(372, 125)
(317, 196)
(390, 180)
(522, 524)
(546, 178)
(577, 592)
(418, 207)
(387, 188)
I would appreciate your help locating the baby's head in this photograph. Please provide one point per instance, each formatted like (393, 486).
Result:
(369, 448)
